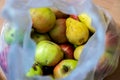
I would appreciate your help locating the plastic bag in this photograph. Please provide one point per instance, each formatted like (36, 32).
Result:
(20, 55)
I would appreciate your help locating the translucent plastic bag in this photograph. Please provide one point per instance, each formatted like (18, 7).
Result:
(20, 54)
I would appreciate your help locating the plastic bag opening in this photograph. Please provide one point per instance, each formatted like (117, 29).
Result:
(18, 15)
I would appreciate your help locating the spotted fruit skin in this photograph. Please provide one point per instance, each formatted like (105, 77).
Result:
(77, 33)
(43, 19)
(48, 53)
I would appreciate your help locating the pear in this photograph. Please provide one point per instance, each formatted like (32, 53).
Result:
(77, 33)
(48, 53)
(35, 70)
(43, 19)
(37, 37)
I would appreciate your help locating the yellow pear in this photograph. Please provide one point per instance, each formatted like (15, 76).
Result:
(77, 33)
(78, 51)
(84, 18)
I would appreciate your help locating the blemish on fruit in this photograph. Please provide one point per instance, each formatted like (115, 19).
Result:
(65, 68)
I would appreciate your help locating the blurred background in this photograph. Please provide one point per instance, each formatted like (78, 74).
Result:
(113, 7)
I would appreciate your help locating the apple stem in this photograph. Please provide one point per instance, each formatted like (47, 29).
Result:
(65, 68)
(34, 66)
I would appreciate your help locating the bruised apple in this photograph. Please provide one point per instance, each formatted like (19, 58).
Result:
(43, 19)
(68, 50)
(58, 33)
(48, 53)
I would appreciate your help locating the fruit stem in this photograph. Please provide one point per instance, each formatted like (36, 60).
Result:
(65, 68)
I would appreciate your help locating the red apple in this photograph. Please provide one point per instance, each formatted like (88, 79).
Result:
(112, 37)
(68, 50)
(74, 16)
(59, 14)
(58, 33)
(105, 65)
(64, 68)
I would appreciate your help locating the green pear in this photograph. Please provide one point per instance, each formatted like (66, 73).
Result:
(36, 70)
(37, 37)
(48, 53)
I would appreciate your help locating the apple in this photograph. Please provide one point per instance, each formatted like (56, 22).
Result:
(37, 37)
(74, 17)
(105, 65)
(43, 19)
(10, 34)
(58, 33)
(78, 51)
(35, 70)
(112, 38)
(59, 14)
(68, 50)
(48, 53)
(64, 68)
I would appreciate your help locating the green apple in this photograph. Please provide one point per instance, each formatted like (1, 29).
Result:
(37, 37)
(64, 68)
(43, 19)
(10, 32)
(36, 70)
(48, 53)
(78, 51)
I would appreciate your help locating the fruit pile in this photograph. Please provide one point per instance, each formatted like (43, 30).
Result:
(60, 39)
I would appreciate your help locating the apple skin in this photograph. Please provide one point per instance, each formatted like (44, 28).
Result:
(43, 19)
(74, 17)
(10, 32)
(37, 37)
(78, 51)
(112, 41)
(105, 65)
(58, 33)
(68, 50)
(35, 70)
(64, 68)
(48, 53)
(59, 14)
